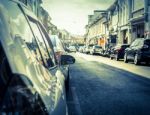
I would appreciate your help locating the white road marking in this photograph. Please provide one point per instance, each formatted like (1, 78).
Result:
(76, 101)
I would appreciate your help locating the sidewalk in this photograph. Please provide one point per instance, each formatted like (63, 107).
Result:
(141, 70)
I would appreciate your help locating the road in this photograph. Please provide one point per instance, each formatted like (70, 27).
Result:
(100, 86)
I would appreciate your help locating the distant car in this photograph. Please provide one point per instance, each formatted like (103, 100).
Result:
(88, 48)
(72, 49)
(81, 49)
(117, 52)
(138, 52)
(96, 49)
(107, 52)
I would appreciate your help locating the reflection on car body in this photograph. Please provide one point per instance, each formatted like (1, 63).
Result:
(30, 79)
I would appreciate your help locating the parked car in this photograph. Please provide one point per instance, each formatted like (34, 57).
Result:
(107, 52)
(118, 51)
(81, 49)
(138, 52)
(60, 50)
(72, 49)
(96, 49)
(88, 48)
(30, 79)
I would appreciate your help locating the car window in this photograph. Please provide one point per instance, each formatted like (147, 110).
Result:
(48, 44)
(124, 46)
(134, 43)
(57, 43)
(97, 47)
(19, 29)
(23, 47)
(147, 42)
(140, 43)
(44, 49)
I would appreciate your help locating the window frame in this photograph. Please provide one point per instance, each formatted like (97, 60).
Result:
(27, 16)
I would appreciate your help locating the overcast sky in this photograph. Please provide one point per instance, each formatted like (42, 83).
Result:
(72, 15)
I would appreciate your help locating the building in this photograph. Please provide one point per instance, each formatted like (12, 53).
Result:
(113, 21)
(137, 18)
(96, 30)
(123, 22)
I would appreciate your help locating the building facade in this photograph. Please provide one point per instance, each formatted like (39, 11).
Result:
(126, 21)
(97, 28)
(137, 18)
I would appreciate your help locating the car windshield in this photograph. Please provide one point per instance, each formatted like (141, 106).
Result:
(125, 46)
(57, 43)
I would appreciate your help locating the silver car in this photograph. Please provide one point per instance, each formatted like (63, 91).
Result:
(30, 79)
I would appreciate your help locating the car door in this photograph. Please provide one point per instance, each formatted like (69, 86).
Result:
(28, 55)
(48, 54)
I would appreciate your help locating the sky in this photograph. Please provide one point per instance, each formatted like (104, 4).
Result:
(72, 15)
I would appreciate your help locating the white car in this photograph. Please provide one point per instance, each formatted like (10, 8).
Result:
(72, 49)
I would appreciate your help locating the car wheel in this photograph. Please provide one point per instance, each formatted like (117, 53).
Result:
(91, 52)
(116, 57)
(111, 57)
(136, 61)
(125, 58)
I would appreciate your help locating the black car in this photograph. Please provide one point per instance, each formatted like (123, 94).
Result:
(139, 51)
(31, 82)
(117, 52)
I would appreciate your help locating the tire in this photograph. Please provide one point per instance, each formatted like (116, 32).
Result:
(136, 61)
(91, 52)
(147, 62)
(116, 58)
(125, 58)
(111, 57)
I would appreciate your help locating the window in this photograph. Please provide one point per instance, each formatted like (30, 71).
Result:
(20, 29)
(45, 50)
(34, 48)
(48, 43)
(137, 4)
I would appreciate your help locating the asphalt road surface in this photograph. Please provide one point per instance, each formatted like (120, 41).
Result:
(99, 89)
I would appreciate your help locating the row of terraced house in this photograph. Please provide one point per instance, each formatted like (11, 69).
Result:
(123, 22)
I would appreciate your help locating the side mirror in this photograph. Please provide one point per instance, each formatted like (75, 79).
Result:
(67, 59)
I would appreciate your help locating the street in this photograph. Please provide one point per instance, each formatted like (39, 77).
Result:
(100, 86)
